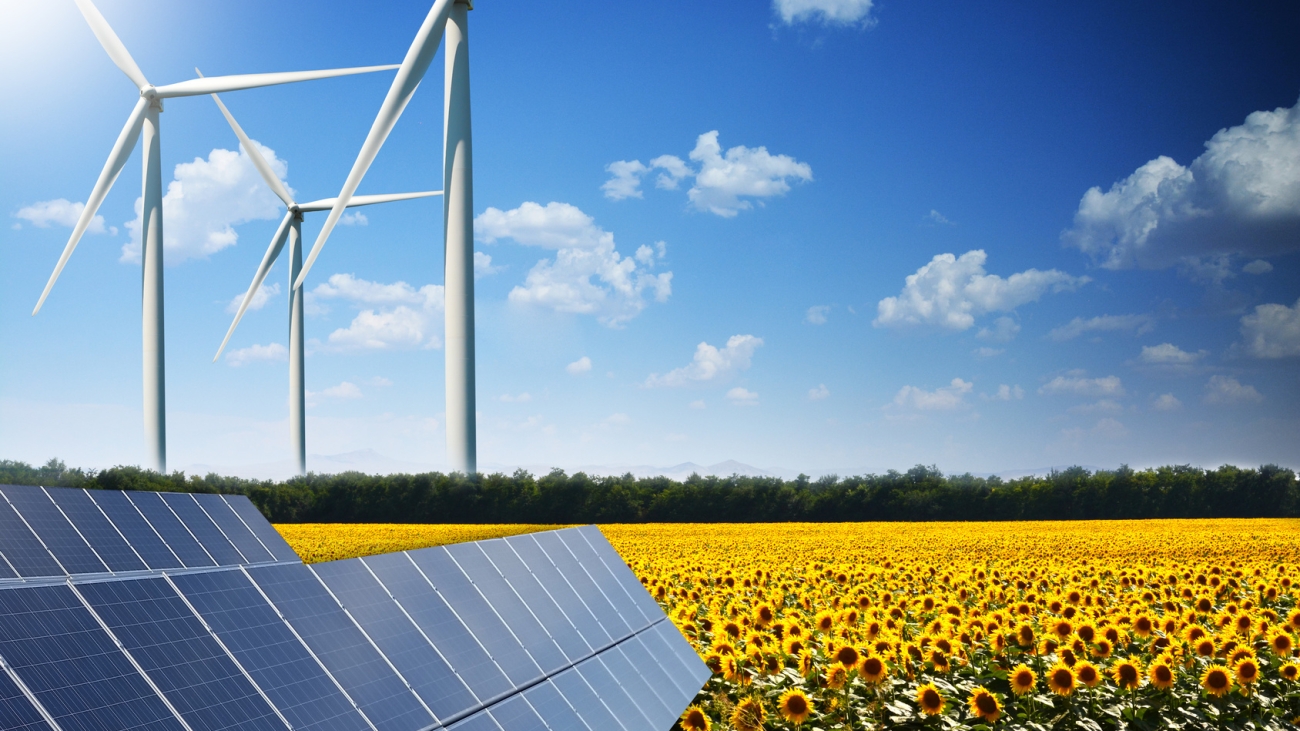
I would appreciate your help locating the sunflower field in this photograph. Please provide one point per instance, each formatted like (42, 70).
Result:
(1091, 625)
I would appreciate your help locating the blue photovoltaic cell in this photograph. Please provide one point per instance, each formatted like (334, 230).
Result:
(517, 615)
(397, 637)
(96, 529)
(268, 650)
(20, 546)
(477, 614)
(697, 673)
(600, 573)
(622, 572)
(643, 694)
(207, 532)
(589, 705)
(602, 681)
(428, 610)
(480, 721)
(344, 650)
(55, 530)
(119, 509)
(233, 528)
(261, 528)
(16, 712)
(203, 684)
(72, 666)
(165, 522)
(560, 589)
(514, 714)
(553, 708)
(650, 672)
(658, 641)
(606, 613)
(538, 599)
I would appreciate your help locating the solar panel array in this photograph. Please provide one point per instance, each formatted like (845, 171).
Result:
(190, 612)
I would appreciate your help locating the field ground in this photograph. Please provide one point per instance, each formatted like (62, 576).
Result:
(1087, 624)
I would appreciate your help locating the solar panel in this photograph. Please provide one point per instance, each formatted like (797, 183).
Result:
(134, 528)
(559, 589)
(553, 708)
(17, 712)
(23, 552)
(590, 707)
(202, 528)
(643, 693)
(97, 530)
(480, 721)
(608, 689)
(609, 585)
(538, 598)
(174, 533)
(586, 587)
(665, 643)
(265, 532)
(622, 573)
(233, 528)
(397, 637)
(54, 530)
(651, 672)
(337, 642)
(514, 714)
(174, 649)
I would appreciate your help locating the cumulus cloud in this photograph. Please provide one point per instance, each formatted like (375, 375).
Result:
(1166, 402)
(816, 315)
(1005, 393)
(354, 218)
(947, 398)
(1228, 391)
(260, 298)
(587, 276)
(1104, 406)
(483, 265)
(987, 352)
(1241, 196)
(345, 391)
(1136, 324)
(1272, 331)
(1168, 354)
(826, 12)
(579, 366)
(819, 393)
(950, 292)
(256, 354)
(61, 212)
(1259, 266)
(1004, 330)
(725, 183)
(711, 363)
(1074, 384)
(935, 218)
(392, 317)
(742, 397)
(205, 201)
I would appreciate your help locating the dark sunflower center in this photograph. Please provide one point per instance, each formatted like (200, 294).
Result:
(1217, 679)
(986, 703)
(931, 699)
(796, 705)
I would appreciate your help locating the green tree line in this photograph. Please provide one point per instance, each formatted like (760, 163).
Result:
(919, 494)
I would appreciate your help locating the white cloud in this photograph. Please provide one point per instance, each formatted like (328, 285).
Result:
(742, 397)
(379, 381)
(1241, 196)
(62, 212)
(256, 354)
(947, 398)
(206, 200)
(828, 12)
(1004, 330)
(1259, 266)
(816, 315)
(1076, 385)
(987, 352)
(396, 315)
(725, 183)
(936, 218)
(1226, 390)
(1005, 393)
(522, 398)
(260, 298)
(1168, 354)
(711, 363)
(1272, 331)
(584, 252)
(698, 404)
(579, 366)
(355, 218)
(819, 393)
(483, 265)
(345, 391)
(951, 292)
(1104, 406)
(1166, 402)
(1137, 324)
(617, 419)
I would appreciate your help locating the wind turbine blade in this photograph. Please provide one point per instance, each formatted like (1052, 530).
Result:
(326, 204)
(272, 251)
(259, 162)
(404, 85)
(111, 43)
(214, 84)
(116, 159)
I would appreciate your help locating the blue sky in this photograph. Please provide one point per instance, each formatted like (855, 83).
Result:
(817, 235)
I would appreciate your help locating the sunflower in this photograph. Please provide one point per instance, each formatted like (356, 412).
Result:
(872, 669)
(1290, 671)
(793, 645)
(806, 667)
(1280, 643)
(1161, 673)
(1088, 674)
(1022, 679)
(836, 677)
(1061, 679)
(847, 656)
(1216, 680)
(1204, 647)
(1237, 654)
(1143, 626)
(694, 719)
(1247, 671)
(939, 660)
(1086, 632)
(748, 715)
(1025, 634)
(732, 629)
(795, 706)
(985, 705)
(824, 622)
(1062, 628)
(929, 699)
(1102, 648)
(1127, 673)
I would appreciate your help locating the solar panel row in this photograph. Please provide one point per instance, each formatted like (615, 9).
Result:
(545, 631)
(57, 532)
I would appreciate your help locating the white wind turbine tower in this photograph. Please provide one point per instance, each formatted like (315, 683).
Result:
(457, 205)
(144, 122)
(291, 229)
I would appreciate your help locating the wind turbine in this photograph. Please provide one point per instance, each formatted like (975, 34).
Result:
(291, 229)
(451, 17)
(143, 121)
